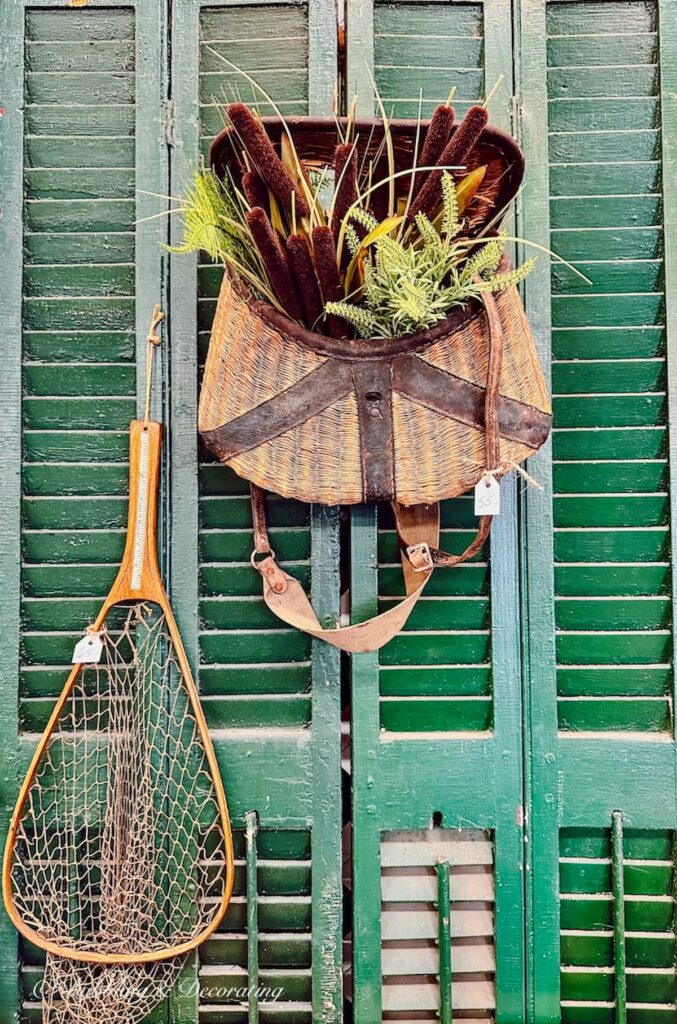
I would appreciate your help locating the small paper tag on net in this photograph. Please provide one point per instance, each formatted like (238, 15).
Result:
(88, 650)
(487, 497)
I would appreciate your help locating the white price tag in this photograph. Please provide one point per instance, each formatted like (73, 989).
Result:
(487, 497)
(88, 651)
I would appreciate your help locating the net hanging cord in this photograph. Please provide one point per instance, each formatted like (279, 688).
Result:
(152, 341)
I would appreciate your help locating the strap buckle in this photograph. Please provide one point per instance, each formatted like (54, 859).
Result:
(420, 557)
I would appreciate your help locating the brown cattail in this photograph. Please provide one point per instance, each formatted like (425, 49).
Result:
(303, 271)
(436, 139)
(456, 151)
(330, 282)
(345, 178)
(265, 159)
(275, 261)
(255, 191)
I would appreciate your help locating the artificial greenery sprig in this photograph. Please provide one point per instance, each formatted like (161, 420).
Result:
(215, 222)
(409, 287)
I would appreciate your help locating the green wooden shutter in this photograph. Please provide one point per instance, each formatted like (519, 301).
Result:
(437, 741)
(81, 281)
(596, 82)
(271, 697)
(436, 763)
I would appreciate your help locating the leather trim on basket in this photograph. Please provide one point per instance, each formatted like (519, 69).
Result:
(311, 395)
(363, 349)
(373, 389)
(452, 396)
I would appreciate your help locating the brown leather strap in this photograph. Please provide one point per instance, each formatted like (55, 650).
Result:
(423, 558)
(286, 598)
(261, 538)
(418, 531)
(311, 395)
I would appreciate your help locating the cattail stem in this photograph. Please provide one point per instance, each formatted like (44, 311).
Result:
(456, 152)
(328, 274)
(275, 261)
(345, 179)
(265, 159)
(301, 264)
(490, 95)
(436, 139)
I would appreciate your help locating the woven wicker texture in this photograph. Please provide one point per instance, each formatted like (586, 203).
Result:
(249, 365)
(304, 461)
(464, 453)
(320, 459)
(467, 356)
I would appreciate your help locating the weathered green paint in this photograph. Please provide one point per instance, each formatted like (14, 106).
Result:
(366, 773)
(444, 941)
(74, 340)
(11, 161)
(251, 830)
(598, 602)
(618, 885)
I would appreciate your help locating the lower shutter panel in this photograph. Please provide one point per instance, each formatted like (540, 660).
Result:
(410, 951)
(588, 969)
(284, 937)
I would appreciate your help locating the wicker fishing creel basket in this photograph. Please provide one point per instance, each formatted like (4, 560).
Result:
(346, 421)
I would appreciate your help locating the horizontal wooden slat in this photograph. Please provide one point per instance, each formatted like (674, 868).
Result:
(466, 995)
(411, 850)
(470, 958)
(423, 924)
(420, 886)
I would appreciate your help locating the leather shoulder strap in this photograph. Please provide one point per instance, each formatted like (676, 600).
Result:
(418, 529)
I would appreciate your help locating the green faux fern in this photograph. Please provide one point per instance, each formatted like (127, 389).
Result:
(409, 287)
(212, 221)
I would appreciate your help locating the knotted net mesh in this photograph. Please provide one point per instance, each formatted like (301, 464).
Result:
(120, 848)
(75, 992)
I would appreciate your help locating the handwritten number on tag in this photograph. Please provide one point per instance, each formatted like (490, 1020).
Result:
(487, 497)
(88, 651)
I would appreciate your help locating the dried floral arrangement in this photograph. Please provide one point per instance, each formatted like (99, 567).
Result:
(358, 248)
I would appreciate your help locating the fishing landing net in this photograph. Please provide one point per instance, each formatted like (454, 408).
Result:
(120, 855)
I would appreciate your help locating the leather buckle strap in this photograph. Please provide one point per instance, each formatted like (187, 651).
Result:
(286, 598)
(423, 558)
(420, 557)
(260, 526)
